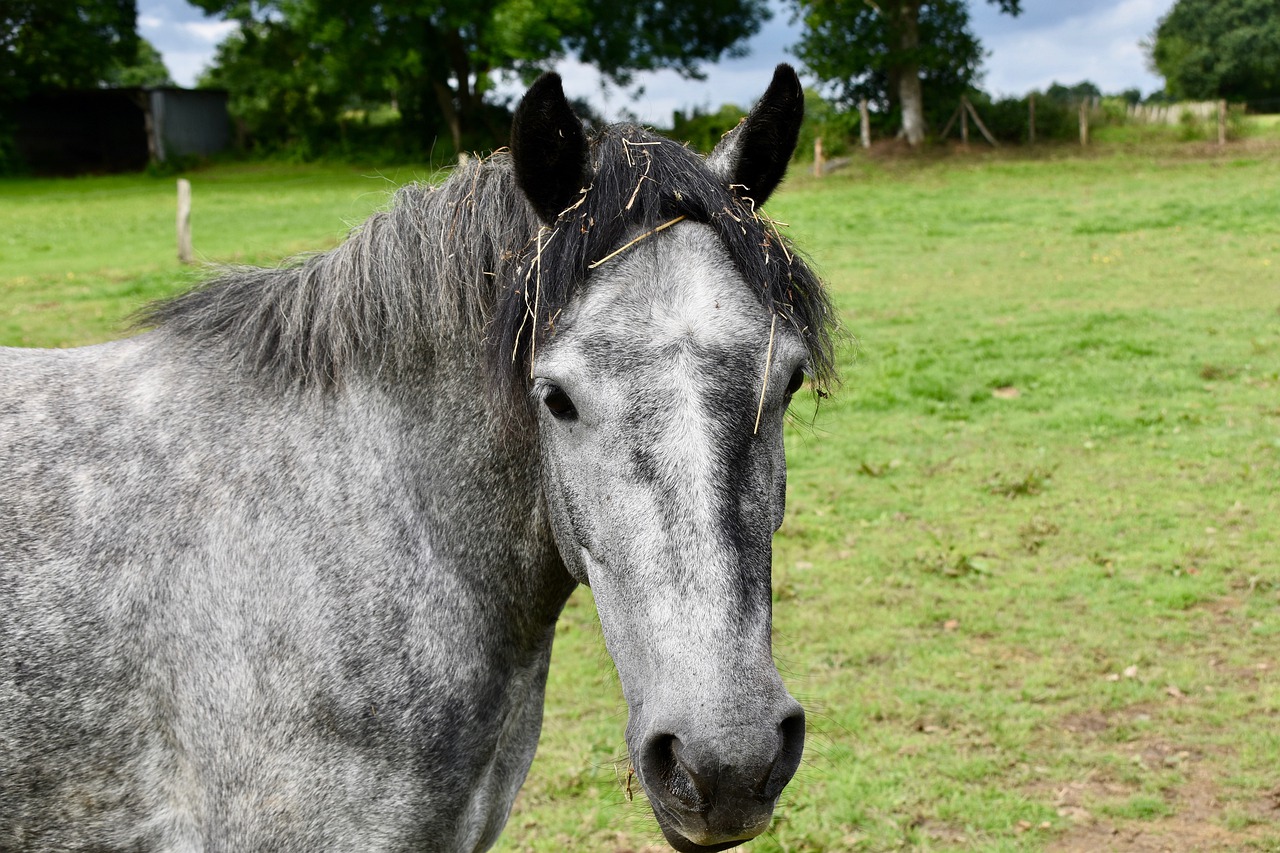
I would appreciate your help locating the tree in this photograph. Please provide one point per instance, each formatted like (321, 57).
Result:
(63, 44)
(1208, 49)
(892, 51)
(1085, 90)
(283, 88)
(702, 129)
(437, 61)
(146, 69)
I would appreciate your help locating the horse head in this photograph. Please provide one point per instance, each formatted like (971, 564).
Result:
(659, 388)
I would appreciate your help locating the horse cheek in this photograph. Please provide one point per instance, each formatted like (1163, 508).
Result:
(778, 470)
(570, 524)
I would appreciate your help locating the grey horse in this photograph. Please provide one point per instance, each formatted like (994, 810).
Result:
(282, 572)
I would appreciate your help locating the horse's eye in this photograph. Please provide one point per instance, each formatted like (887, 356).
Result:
(560, 406)
(797, 379)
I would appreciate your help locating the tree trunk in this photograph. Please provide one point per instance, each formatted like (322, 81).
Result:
(456, 105)
(909, 90)
(467, 96)
(444, 96)
(912, 108)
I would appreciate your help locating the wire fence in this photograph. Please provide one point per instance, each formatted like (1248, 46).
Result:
(1172, 114)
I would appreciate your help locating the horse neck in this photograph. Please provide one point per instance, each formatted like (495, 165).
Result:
(476, 478)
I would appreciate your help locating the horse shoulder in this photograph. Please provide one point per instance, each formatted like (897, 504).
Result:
(231, 584)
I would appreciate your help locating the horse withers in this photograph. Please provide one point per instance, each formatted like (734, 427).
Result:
(282, 573)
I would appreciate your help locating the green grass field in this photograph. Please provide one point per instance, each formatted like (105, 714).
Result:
(76, 255)
(1028, 585)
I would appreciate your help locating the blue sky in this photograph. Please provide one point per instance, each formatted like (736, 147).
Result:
(1052, 40)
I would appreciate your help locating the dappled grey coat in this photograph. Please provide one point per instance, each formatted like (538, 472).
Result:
(283, 573)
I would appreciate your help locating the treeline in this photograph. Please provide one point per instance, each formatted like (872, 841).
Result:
(403, 78)
(1056, 113)
(326, 77)
(313, 76)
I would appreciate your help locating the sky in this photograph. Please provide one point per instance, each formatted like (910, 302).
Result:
(1064, 41)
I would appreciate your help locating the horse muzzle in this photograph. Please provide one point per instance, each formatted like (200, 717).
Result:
(716, 789)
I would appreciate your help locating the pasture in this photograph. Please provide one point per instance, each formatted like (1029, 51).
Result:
(1027, 587)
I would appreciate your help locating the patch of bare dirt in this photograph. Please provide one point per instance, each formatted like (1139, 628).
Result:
(1088, 722)
(942, 832)
(1195, 825)
(1198, 813)
(1198, 818)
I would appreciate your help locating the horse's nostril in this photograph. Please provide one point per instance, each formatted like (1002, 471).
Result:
(662, 764)
(791, 736)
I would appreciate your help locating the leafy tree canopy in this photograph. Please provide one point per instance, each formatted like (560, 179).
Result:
(1219, 49)
(306, 60)
(1082, 91)
(63, 44)
(873, 48)
(146, 69)
(853, 47)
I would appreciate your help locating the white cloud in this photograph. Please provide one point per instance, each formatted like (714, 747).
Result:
(185, 38)
(1101, 46)
(664, 92)
(186, 65)
(209, 32)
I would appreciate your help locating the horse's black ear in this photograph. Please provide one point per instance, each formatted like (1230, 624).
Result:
(755, 154)
(548, 148)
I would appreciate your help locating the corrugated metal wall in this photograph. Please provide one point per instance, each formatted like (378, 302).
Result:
(68, 133)
(118, 130)
(189, 121)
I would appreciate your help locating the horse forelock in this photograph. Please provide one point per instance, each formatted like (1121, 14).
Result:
(641, 184)
(466, 264)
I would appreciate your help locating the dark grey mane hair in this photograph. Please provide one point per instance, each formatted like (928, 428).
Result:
(458, 261)
(412, 277)
(641, 182)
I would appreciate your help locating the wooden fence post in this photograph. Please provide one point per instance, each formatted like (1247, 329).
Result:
(966, 105)
(866, 123)
(1031, 101)
(184, 221)
(1084, 122)
(964, 123)
(817, 157)
(1222, 122)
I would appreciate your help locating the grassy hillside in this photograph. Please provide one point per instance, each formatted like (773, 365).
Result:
(1027, 587)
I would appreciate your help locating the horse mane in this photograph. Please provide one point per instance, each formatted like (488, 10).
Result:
(468, 260)
(409, 278)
